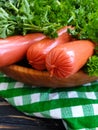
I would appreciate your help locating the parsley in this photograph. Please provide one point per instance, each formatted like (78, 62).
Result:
(26, 16)
(91, 66)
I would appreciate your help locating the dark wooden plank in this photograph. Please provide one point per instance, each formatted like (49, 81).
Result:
(12, 119)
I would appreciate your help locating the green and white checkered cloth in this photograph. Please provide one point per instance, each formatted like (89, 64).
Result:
(77, 107)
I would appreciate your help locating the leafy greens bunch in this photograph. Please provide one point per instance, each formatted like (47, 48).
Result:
(25, 16)
(46, 16)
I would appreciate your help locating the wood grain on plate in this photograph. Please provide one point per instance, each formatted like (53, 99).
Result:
(42, 78)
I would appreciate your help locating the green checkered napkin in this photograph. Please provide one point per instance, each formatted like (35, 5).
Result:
(77, 107)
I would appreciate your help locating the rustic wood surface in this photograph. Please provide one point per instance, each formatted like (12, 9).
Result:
(11, 119)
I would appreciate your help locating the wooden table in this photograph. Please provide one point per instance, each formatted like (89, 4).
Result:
(11, 119)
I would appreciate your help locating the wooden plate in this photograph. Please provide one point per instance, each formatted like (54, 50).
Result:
(42, 78)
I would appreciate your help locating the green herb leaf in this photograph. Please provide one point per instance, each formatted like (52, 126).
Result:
(91, 66)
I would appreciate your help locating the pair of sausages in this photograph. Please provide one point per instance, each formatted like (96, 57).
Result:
(62, 56)
(37, 52)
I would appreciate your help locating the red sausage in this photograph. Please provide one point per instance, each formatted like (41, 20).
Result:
(66, 59)
(13, 49)
(37, 52)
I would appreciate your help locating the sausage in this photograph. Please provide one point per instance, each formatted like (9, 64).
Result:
(66, 59)
(37, 52)
(13, 48)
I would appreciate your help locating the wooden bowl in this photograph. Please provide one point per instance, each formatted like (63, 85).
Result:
(42, 78)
